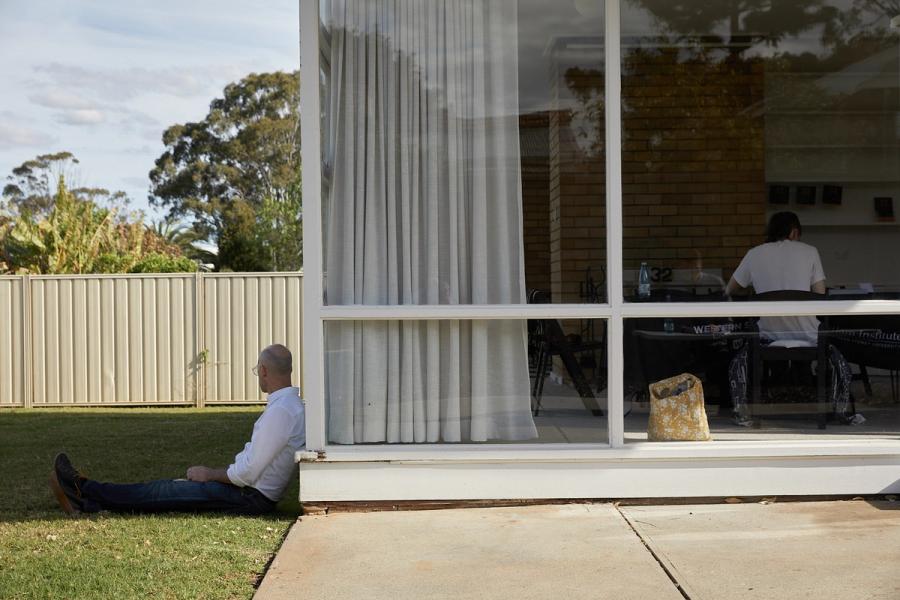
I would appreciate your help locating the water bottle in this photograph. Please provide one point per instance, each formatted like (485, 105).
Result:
(644, 282)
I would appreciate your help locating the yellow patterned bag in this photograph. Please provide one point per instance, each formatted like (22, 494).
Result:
(677, 412)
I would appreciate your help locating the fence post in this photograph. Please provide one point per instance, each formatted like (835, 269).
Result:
(199, 328)
(27, 332)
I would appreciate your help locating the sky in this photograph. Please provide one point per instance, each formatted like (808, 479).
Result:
(103, 79)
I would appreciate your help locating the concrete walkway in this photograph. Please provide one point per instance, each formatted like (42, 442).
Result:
(822, 550)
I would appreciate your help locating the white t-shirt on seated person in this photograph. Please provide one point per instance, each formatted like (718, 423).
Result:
(784, 265)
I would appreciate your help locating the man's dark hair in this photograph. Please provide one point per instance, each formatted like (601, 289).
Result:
(781, 224)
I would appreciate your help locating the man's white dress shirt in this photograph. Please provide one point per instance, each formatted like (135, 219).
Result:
(267, 460)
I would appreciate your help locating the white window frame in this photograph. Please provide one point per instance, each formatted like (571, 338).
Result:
(315, 313)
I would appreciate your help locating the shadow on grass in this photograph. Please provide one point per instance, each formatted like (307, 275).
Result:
(120, 445)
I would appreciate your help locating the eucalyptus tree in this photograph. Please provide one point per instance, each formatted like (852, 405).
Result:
(218, 173)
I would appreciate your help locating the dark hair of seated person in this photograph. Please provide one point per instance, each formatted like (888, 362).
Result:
(781, 224)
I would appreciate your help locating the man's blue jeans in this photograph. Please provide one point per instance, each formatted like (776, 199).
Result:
(173, 495)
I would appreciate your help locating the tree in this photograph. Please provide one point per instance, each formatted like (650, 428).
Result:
(30, 189)
(279, 229)
(30, 184)
(240, 248)
(747, 22)
(268, 238)
(78, 236)
(219, 172)
(186, 239)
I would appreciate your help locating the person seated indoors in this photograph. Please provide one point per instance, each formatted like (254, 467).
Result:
(704, 279)
(252, 484)
(783, 262)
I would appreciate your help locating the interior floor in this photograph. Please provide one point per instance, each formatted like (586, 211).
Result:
(563, 418)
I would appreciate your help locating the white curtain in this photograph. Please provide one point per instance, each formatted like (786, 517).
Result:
(424, 207)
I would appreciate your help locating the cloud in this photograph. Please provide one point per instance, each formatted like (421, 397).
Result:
(81, 117)
(57, 98)
(13, 134)
(216, 25)
(75, 109)
(127, 84)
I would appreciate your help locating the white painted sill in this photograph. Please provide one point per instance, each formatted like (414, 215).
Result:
(599, 453)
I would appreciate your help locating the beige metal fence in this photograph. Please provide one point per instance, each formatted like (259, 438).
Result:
(131, 340)
(12, 342)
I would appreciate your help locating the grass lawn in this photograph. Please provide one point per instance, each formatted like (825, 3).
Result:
(46, 554)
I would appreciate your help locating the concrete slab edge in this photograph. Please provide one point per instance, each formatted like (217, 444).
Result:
(321, 508)
(662, 559)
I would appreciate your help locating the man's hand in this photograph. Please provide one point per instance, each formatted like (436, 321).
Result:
(201, 474)
(733, 287)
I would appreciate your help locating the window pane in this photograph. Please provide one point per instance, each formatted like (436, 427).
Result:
(734, 112)
(753, 387)
(463, 158)
(540, 381)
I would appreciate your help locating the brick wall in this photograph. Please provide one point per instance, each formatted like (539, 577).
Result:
(534, 142)
(577, 195)
(693, 172)
(692, 166)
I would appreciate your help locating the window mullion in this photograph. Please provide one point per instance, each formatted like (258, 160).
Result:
(613, 145)
(313, 338)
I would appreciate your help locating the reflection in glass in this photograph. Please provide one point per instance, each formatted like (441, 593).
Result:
(755, 386)
(733, 112)
(458, 381)
(462, 151)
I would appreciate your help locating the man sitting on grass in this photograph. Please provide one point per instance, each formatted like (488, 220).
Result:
(253, 484)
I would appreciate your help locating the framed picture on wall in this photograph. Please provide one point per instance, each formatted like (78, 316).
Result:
(779, 194)
(831, 194)
(806, 194)
(884, 208)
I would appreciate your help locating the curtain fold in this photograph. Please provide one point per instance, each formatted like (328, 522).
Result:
(424, 207)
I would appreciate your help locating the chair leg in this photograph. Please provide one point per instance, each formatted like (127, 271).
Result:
(895, 384)
(600, 377)
(864, 375)
(756, 368)
(537, 391)
(822, 398)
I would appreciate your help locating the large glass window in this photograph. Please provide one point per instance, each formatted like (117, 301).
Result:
(761, 160)
(463, 151)
(733, 112)
(779, 390)
(462, 381)
(464, 163)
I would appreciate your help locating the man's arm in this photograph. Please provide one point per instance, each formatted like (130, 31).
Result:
(742, 273)
(265, 444)
(732, 287)
(201, 473)
(819, 287)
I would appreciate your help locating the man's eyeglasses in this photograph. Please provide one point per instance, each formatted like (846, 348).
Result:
(255, 370)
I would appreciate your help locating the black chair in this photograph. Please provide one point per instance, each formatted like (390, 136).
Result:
(546, 339)
(870, 341)
(701, 346)
(762, 355)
